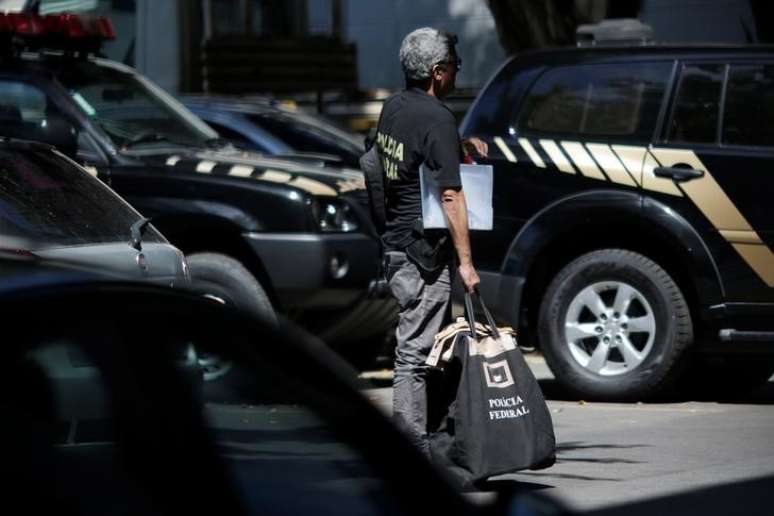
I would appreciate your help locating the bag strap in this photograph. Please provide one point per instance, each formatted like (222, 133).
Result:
(470, 315)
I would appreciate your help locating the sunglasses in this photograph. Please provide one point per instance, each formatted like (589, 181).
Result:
(457, 63)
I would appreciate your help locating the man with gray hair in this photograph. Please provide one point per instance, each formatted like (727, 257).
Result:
(416, 129)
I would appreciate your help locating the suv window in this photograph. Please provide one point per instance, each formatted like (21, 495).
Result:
(49, 201)
(130, 110)
(233, 136)
(598, 100)
(697, 106)
(21, 103)
(308, 135)
(749, 107)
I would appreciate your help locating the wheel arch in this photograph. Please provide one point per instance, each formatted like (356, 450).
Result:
(210, 233)
(586, 222)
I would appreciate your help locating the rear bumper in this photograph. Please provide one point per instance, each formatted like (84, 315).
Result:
(311, 270)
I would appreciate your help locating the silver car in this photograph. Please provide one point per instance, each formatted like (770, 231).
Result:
(52, 208)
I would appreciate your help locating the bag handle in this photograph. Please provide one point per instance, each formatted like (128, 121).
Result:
(470, 315)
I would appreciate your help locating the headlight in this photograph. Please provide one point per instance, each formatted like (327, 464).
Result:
(335, 216)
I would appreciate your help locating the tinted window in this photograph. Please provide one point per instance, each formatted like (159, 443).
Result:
(26, 113)
(309, 135)
(49, 201)
(233, 136)
(132, 111)
(597, 100)
(100, 392)
(749, 109)
(697, 106)
(21, 102)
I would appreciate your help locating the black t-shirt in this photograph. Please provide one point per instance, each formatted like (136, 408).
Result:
(414, 129)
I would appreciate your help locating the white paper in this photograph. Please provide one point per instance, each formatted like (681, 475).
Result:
(477, 183)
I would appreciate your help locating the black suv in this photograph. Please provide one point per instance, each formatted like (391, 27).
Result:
(258, 232)
(631, 223)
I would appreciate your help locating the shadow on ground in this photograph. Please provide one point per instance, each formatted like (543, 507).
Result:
(764, 395)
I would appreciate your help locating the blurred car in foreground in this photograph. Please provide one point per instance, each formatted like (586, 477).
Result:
(288, 444)
(51, 207)
(267, 126)
(292, 436)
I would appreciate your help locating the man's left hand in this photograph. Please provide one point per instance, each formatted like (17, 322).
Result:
(477, 145)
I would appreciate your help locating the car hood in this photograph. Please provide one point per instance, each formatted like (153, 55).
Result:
(243, 165)
(156, 262)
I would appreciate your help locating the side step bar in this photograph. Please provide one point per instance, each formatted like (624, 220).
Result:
(730, 335)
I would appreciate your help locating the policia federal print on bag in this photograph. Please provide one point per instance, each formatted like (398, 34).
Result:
(496, 419)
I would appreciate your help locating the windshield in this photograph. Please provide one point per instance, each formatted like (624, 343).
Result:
(309, 135)
(47, 200)
(131, 110)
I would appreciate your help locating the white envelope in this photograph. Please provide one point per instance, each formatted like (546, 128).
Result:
(477, 182)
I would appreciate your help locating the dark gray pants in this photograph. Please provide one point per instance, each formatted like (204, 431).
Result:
(424, 303)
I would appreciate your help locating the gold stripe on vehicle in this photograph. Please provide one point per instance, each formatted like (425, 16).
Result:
(657, 184)
(241, 171)
(741, 237)
(531, 152)
(712, 201)
(760, 258)
(632, 159)
(556, 155)
(275, 176)
(582, 160)
(313, 187)
(705, 192)
(205, 167)
(505, 149)
(610, 163)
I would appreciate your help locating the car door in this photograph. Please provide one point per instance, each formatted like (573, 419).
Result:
(580, 127)
(719, 146)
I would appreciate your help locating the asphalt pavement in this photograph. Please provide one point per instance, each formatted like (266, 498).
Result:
(618, 453)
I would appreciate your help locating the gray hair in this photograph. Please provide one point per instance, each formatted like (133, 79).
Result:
(424, 48)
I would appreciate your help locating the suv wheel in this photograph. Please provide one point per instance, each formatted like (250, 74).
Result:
(226, 280)
(613, 325)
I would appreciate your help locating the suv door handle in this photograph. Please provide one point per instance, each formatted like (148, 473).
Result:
(679, 174)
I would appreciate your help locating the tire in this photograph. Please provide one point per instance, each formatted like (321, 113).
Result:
(228, 281)
(630, 345)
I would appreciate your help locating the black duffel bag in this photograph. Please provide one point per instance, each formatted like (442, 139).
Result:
(489, 416)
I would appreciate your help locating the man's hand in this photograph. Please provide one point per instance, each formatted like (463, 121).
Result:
(477, 145)
(469, 277)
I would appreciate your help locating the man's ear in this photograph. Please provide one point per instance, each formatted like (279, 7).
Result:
(437, 72)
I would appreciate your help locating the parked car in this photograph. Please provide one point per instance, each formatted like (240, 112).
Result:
(264, 234)
(52, 208)
(266, 126)
(632, 236)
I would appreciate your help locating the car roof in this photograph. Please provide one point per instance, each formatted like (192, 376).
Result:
(643, 51)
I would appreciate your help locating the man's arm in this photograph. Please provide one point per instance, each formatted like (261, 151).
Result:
(456, 211)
